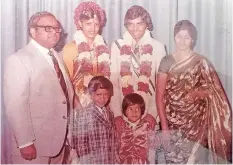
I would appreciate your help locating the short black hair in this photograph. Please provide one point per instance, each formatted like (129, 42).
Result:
(100, 82)
(132, 99)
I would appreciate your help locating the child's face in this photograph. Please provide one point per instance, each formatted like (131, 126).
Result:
(100, 97)
(133, 112)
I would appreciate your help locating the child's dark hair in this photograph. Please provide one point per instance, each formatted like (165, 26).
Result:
(132, 99)
(100, 82)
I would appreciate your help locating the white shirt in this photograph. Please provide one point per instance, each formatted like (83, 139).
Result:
(44, 51)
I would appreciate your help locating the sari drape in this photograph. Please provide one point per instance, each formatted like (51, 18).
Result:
(205, 120)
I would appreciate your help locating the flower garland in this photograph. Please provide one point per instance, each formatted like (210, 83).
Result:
(89, 62)
(144, 68)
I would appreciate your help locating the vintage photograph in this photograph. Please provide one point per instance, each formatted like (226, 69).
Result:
(116, 82)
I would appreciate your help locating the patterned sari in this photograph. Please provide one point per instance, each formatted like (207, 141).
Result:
(206, 121)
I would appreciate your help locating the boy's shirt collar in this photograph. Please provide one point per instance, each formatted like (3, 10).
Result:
(101, 109)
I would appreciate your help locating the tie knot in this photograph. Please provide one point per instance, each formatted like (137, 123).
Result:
(136, 49)
(50, 53)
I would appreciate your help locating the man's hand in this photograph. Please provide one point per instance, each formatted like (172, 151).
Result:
(28, 152)
(151, 120)
(119, 123)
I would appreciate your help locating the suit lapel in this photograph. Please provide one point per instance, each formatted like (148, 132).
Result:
(66, 77)
(40, 61)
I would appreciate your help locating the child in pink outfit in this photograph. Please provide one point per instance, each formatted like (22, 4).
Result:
(133, 141)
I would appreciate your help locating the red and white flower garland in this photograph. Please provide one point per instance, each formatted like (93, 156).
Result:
(91, 63)
(144, 70)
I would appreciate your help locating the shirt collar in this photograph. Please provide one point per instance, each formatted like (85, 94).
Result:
(42, 49)
(100, 109)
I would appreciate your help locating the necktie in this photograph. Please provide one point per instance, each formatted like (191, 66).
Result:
(104, 110)
(136, 50)
(60, 77)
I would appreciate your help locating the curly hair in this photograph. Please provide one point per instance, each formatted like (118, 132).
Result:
(136, 12)
(62, 41)
(88, 10)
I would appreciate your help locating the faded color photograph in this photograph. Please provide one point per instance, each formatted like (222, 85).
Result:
(116, 82)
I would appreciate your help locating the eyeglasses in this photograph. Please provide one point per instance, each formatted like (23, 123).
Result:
(50, 28)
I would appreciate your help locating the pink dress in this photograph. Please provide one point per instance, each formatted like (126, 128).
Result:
(133, 143)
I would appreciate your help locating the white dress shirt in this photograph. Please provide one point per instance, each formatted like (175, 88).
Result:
(44, 51)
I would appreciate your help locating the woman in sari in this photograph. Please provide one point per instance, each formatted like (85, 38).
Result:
(191, 99)
(88, 55)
